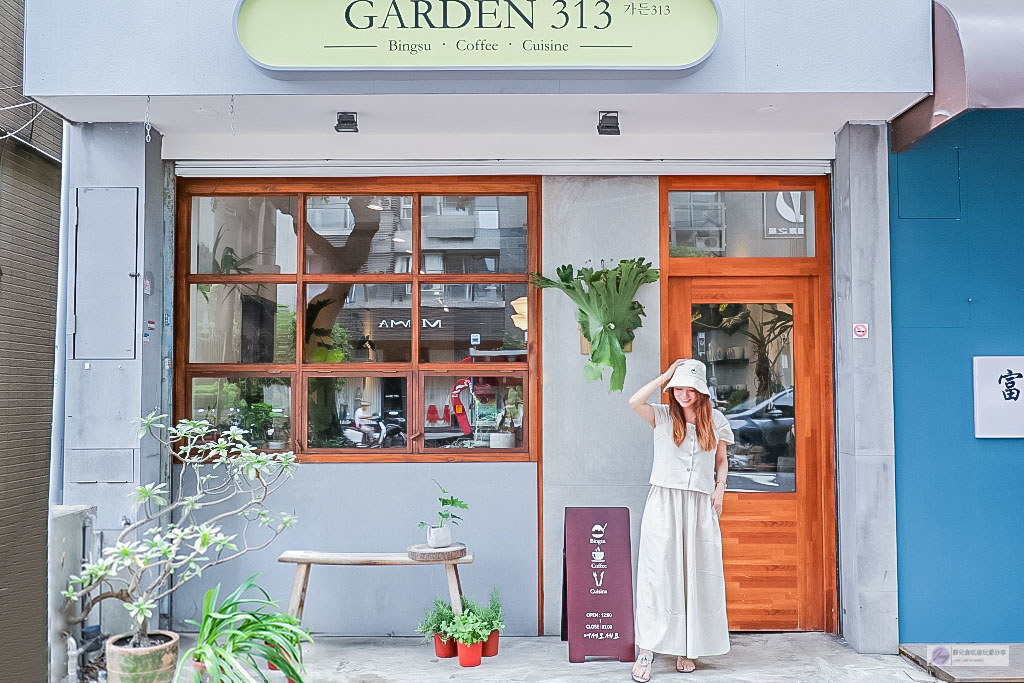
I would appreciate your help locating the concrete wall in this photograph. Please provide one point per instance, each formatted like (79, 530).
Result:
(113, 376)
(863, 386)
(596, 451)
(956, 279)
(188, 47)
(376, 508)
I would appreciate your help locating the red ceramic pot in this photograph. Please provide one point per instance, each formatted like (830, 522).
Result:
(491, 645)
(444, 649)
(469, 655)
(272, 667)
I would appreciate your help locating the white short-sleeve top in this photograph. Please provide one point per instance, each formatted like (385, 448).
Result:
(685, 466)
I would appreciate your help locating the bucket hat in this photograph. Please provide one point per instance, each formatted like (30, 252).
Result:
(692, 373)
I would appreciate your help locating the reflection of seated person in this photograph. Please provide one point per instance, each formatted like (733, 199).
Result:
(362, 419)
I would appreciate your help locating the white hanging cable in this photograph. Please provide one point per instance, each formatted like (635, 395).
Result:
(231, 114)
(18, 106)
(26, 125)
(148, 123)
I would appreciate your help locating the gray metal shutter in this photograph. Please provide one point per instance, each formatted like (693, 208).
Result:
(29, 219)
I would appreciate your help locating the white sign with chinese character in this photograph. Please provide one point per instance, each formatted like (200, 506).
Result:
(998, 397)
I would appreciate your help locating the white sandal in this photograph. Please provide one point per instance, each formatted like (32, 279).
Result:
(679, 660)
(645, 664)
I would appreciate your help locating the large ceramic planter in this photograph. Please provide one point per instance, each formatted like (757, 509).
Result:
(491, 645)
(154, 664)
(439, 537)
(469, 655)
(444, 648)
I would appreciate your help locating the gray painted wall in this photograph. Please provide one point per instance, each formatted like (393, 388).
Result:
(103, 461)
(188, 47)
(376, 508)
(865, 438)
(596, 451)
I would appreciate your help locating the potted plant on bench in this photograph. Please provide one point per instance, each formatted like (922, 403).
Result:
(440, 536)
(170, 538)
(436, 626)
(470, 632)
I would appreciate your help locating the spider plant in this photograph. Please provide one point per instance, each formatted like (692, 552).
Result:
(235, 634)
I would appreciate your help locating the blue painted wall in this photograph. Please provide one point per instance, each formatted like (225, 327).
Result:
(957, 229)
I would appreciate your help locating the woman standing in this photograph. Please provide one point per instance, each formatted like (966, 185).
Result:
(680, 593)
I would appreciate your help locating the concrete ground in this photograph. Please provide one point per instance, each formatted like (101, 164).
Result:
(1014, 673)
(754, 658)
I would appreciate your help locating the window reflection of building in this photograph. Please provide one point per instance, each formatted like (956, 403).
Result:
(741, 224)
(473, 234)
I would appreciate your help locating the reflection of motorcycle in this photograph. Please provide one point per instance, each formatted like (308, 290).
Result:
(377, 432)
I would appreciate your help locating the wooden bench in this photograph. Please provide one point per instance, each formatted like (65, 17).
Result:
(305, 559)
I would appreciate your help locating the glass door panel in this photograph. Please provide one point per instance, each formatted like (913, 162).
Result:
(748, 348)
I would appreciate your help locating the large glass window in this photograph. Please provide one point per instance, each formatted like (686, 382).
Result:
(356, 234)
(473, 412)
(468, 234)
(243, 235)
(471, 321)
(242, 323)
(259, 405)
(741, 224)
(748, 349)
(340, 318)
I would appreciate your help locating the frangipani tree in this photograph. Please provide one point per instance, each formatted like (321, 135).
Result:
(606, 311)
(222, 477)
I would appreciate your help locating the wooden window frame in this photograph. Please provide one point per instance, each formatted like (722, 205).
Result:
(415, 371)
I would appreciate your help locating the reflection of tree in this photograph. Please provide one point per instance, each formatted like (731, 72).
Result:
(337, 348)
(769, 336)
(323, 309)
(325, 429)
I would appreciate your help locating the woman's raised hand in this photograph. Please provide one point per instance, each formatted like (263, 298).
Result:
(667, 375)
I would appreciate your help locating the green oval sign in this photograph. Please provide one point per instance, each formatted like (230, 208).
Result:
(477, 34)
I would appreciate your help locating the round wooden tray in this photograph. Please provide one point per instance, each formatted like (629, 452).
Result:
(421, 552)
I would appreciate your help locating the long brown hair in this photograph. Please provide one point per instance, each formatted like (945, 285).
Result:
(706, 437)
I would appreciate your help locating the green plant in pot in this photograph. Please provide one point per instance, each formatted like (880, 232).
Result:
(606, 311)
(169, 539)
(436, 628)
(493, 615)
(440, 536)
(257, 419)
(470, 632)
(237, 633)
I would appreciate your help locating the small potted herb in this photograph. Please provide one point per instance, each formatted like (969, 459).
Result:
(440, 536)
(435, 626)
(494, 617)
(470, 632)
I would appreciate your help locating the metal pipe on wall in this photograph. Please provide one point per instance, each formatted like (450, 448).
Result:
(61, 338)
(60, 344)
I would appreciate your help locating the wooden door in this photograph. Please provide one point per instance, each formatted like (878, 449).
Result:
(764, 331)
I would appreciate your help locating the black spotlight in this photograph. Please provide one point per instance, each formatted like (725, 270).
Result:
(347, 122)
(608, 123)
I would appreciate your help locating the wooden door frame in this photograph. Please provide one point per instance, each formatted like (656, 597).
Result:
(816, 275)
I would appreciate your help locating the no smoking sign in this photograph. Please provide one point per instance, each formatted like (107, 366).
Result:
(860, 331)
